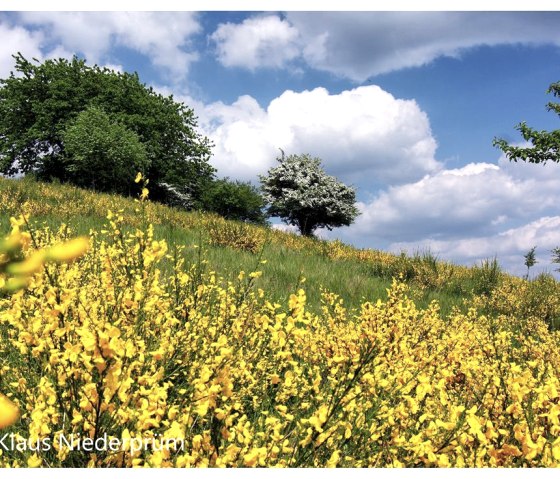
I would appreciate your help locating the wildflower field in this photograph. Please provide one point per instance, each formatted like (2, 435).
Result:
(184, 340)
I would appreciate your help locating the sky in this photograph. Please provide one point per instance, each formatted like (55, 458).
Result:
(402, 105)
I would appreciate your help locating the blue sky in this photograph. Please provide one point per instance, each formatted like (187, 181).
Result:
(403, 105)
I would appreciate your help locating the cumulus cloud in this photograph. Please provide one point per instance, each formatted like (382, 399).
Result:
(162, 36)
(16, 39)
(362, 135)
(31, 44)
(264, 41)
(359, 45)
(476, 200)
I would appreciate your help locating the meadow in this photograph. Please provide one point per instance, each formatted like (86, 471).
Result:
(181, 339)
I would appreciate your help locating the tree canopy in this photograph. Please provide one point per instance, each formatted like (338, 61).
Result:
(302, 194)
(101, 154)
(235, 200)
(42, 109)
(545, 144)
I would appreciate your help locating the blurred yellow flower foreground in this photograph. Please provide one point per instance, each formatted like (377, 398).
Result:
(8, 412)
(131, 355)
(14, 275)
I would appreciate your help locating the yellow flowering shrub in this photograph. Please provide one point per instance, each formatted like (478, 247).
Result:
(132, 356)
(15, 271)
(113, 362)
(535, 299)
(235, 234)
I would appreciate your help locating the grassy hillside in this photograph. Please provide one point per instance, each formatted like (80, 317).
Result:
(183, 340)
(229, 247)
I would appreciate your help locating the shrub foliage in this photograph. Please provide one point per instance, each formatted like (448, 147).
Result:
(42, 109)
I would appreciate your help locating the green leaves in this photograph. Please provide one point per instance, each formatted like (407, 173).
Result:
(39, 110)
(235, 200)
(102, 154)
(545, 144)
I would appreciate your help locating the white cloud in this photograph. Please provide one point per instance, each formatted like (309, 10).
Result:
(16, 39)
(362, 135)
(475, 200)
(359, 45)
(467, 214)
(162, 36)
(31, 44)
(113, 67)
(263, 41)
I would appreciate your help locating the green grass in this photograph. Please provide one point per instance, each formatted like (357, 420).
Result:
(354, 280)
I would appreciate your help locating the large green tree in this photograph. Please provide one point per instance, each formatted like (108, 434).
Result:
(40, 100)
(303, 195)
(545, 144)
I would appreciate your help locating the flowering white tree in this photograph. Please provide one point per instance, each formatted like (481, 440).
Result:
(302, 194)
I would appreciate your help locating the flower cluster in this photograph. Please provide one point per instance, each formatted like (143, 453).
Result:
(15, 272)
(116, 360)
(237, 235)
(130, 354)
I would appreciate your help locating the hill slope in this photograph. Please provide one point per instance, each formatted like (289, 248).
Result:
(230, 247)
(153, 349)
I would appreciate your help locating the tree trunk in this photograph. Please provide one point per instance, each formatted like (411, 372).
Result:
(306, 227)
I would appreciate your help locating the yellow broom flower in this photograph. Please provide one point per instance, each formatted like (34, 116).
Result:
(68, 251)
(34, 461)
(28, 266)
(11, 243)
(9, 412)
